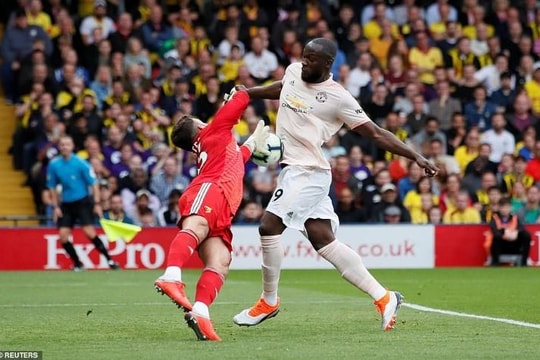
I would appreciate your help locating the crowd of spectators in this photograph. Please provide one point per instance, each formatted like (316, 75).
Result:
(458, 80)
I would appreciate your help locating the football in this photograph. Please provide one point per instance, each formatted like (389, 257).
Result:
(274, 146)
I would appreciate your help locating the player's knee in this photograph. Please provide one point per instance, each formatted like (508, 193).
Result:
(196, 224)
(270, 225)
(319, 233)
(89, 231)
(63, 234)
(219, 265)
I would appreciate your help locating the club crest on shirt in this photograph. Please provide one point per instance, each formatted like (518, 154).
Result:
(296, 104)
(321, 96)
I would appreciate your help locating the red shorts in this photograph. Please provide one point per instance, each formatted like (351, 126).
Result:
(207, 200)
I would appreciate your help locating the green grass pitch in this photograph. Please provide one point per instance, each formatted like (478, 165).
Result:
(118, 315)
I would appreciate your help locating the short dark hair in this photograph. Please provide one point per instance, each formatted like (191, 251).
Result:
(506, 75)
(327, 47)
(20, 12)
(183, 132)
(432, 118)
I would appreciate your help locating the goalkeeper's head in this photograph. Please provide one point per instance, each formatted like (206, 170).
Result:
(185, 130)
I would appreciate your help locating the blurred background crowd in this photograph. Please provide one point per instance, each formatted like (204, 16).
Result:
(457, 80)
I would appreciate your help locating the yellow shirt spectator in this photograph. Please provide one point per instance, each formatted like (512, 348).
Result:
(379, 48)
(510, 179)
(229, 70)
(532, 87)
(419, 216)
(372, 30)
(41, 19)
(34, 106)
(426, 61)
(535, 30)
(469, 215)
(413, 201)
(437, 29)
(86, 7)
(470, 31)
(464, 157)
(65, 99)
(199, 85)
(241, 129)
(402, 135)
(167, 88)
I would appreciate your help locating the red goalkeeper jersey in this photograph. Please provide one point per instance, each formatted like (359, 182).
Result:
(219, 158)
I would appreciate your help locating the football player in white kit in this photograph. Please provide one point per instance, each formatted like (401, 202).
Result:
(313, 107)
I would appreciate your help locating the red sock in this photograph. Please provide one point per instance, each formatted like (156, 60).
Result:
(208, 287)
(181, 249)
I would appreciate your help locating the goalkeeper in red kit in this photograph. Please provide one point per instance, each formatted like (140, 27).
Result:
(207, 208)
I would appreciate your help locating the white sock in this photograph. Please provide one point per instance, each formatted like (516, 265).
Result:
(349, 263)
(272, 255)
(172, 273)
(201, 309)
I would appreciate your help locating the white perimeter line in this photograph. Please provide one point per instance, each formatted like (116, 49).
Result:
(480, 317)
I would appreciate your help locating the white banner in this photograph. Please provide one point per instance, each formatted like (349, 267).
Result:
(381, 247)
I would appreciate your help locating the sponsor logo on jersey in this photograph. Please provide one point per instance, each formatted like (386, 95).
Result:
(321, 96)
(296, 104)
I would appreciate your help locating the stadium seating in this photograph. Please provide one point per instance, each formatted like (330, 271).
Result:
(14, 198)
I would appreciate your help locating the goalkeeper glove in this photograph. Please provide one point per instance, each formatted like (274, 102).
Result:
(257, 140)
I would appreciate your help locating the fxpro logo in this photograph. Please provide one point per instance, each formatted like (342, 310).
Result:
(146, 256)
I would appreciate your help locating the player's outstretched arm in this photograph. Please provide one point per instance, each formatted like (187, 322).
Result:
(270, 91)
(389, 142)
(228, 115)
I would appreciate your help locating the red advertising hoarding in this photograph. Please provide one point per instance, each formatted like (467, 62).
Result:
(39, 249)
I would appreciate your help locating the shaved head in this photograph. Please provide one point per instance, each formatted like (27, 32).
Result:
(324, 46)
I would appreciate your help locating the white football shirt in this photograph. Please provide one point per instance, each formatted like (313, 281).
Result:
(309, 114)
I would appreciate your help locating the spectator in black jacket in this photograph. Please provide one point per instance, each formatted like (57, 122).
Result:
(346, 208)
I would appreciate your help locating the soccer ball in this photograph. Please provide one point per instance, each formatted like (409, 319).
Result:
(275, 146)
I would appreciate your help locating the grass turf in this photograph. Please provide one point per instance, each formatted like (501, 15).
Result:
(118, 315)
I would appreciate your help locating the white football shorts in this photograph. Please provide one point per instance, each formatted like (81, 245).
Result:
(301, 194)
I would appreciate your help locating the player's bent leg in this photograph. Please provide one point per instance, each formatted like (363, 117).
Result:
(216, 256)
(182, 247)
(201, 326)
(388, 306)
